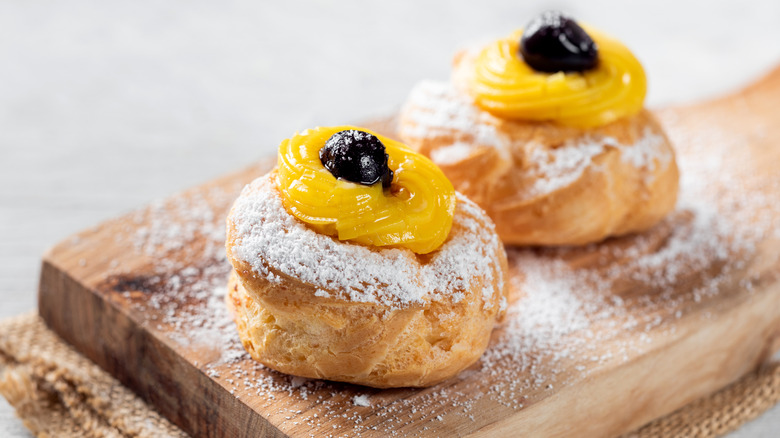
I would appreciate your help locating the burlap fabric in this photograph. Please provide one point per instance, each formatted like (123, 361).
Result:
(59, 393)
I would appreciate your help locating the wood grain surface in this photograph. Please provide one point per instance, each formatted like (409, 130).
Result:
(140, 296)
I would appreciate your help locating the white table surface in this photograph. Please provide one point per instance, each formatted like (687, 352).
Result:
(105, 106)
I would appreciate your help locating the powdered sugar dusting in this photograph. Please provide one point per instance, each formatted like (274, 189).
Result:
(648, 152)
(436, 110)
(578, 310)
(273, 242)
(361, 400)
(559, 167)
(572, 315)
(553, 169)
(182, 292)
(452, 153)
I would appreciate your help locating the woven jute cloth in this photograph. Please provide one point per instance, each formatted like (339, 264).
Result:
(59, 393)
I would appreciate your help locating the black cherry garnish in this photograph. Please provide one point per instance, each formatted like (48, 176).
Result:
(356, 156)
(553, 42)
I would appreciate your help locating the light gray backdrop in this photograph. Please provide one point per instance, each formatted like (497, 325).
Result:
(105, 106)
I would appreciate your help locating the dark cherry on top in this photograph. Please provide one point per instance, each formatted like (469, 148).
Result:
(553, 42)
(356, 156)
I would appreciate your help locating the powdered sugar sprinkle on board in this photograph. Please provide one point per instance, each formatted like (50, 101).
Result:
(579, 308)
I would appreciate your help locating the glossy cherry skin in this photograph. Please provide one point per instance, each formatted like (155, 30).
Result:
(356, 156)
(553, 42)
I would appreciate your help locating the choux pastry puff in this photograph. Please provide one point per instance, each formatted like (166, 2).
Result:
(545, 129)
(355, 260)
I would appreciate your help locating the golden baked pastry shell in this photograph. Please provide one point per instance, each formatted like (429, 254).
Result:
(628, 185)
(290, 326)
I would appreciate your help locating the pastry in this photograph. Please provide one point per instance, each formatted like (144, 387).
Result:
(545, 130)
(355, 260)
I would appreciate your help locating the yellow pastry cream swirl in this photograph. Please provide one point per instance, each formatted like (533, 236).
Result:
(504, 85)
(415, 212)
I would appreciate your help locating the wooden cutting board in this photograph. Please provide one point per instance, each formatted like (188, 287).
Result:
(602, 339)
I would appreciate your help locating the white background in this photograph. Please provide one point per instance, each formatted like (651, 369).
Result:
(105, 106)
